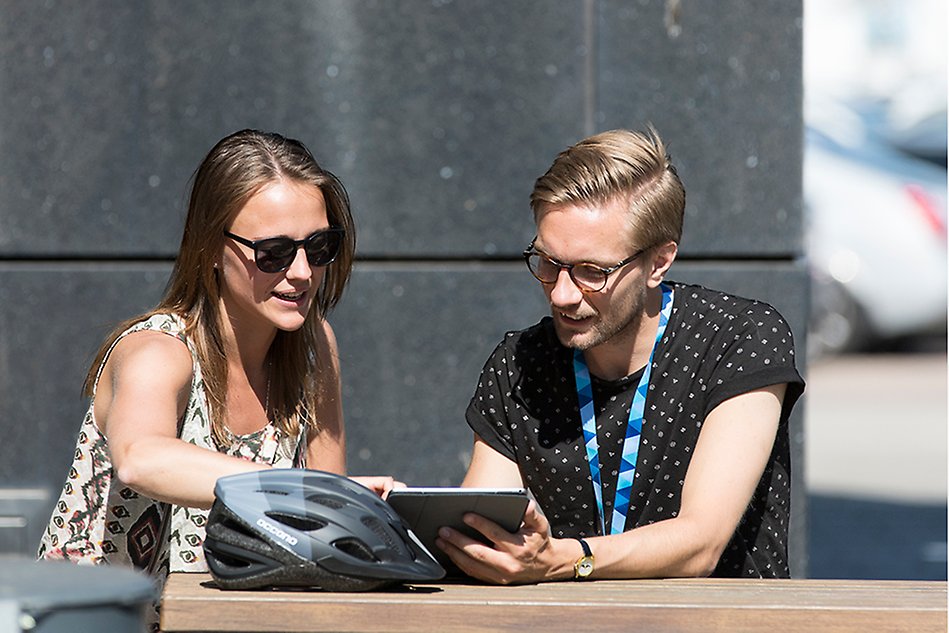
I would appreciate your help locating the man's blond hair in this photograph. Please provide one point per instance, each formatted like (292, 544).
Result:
(624, 165)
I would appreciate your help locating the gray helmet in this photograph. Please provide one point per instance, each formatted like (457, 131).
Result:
(297, 527)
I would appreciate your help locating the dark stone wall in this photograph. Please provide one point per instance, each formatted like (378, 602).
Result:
(437, 115)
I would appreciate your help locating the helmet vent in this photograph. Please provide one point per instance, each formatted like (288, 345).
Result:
(304, 524)
(329, 502)
(355, 548)
(228, 523)
(379, 530)
(231, 562)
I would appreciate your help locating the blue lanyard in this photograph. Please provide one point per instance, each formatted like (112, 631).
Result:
(627, 469)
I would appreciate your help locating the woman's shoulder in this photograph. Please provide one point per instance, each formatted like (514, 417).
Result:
(142, 365)
(152, 343)
(160, 322)
(155, 344)
(325, 345)
(325, 335)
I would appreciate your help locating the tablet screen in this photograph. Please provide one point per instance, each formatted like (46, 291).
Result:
(425, 510)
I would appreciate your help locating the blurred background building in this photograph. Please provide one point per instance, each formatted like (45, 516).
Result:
(875, 215)
(438, 116)
(875, 170)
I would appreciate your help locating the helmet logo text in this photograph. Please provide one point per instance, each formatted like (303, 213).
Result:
(280, 534)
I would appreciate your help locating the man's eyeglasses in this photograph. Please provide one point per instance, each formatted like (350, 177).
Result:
(275, 254)
(588, 277)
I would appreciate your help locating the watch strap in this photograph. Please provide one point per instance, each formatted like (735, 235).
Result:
(583, 568)
(586, 547)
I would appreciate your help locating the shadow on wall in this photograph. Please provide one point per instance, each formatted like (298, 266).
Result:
(856, 538)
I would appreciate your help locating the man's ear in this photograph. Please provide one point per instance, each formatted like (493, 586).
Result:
(661, 260)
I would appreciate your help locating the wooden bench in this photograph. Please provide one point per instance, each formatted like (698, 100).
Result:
(192, 603)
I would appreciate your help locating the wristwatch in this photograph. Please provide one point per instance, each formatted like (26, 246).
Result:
(584, 565)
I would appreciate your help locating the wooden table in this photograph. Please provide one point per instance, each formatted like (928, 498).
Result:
(192, 603)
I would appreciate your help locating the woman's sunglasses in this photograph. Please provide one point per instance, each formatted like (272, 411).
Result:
(275, 254)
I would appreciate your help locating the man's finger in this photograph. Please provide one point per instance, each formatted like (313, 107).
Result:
(466, 562)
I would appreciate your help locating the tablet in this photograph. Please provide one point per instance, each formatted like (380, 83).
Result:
(425, 510)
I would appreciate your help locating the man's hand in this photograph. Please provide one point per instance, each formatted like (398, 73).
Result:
(529, 555)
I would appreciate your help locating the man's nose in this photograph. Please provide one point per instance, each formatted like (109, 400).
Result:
(565, 292)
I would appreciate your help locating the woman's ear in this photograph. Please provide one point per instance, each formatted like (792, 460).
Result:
(661, 261)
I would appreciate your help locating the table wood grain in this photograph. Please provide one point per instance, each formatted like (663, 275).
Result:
(192, 603)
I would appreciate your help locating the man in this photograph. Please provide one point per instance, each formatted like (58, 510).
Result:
(648, 419)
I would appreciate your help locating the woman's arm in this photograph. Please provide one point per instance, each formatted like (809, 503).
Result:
(141, 395)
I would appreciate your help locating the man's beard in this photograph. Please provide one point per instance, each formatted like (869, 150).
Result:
(624, 321)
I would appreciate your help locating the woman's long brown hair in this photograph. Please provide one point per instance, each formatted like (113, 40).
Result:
(232, 172)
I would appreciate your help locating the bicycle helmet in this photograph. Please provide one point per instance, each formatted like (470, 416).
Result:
(308, 528)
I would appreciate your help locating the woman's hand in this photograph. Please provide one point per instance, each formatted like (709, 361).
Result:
(381, 485)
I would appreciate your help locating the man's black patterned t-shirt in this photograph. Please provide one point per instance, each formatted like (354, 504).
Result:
(716, 346)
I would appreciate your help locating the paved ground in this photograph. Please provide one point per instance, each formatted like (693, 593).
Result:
(876, 466)
(876, 427)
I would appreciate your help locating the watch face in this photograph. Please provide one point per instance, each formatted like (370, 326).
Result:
(584, 567)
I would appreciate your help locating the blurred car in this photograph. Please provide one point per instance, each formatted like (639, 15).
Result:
(875, 235)
(915, 120)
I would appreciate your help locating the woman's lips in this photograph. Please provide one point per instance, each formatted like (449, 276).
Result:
(291, 297)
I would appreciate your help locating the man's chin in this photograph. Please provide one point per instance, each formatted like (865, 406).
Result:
(573, 339)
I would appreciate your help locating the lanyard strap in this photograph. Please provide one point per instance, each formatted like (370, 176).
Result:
(627, 469)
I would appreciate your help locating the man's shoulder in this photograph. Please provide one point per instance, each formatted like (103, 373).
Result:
(714, 304)
(535, 344)
(697, 294)
(540, 333)
(710, 314)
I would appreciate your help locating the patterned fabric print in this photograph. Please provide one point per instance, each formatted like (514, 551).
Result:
(716, 346)
(265, 446)
(126, 529)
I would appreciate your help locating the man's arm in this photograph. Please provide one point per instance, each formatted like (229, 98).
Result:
(490, 469)
(732, 451)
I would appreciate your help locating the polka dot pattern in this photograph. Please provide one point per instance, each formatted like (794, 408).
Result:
(716, 346)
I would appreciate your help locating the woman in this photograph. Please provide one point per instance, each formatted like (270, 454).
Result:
(236, 369)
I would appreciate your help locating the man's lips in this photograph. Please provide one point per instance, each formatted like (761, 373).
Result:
(573, 318)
